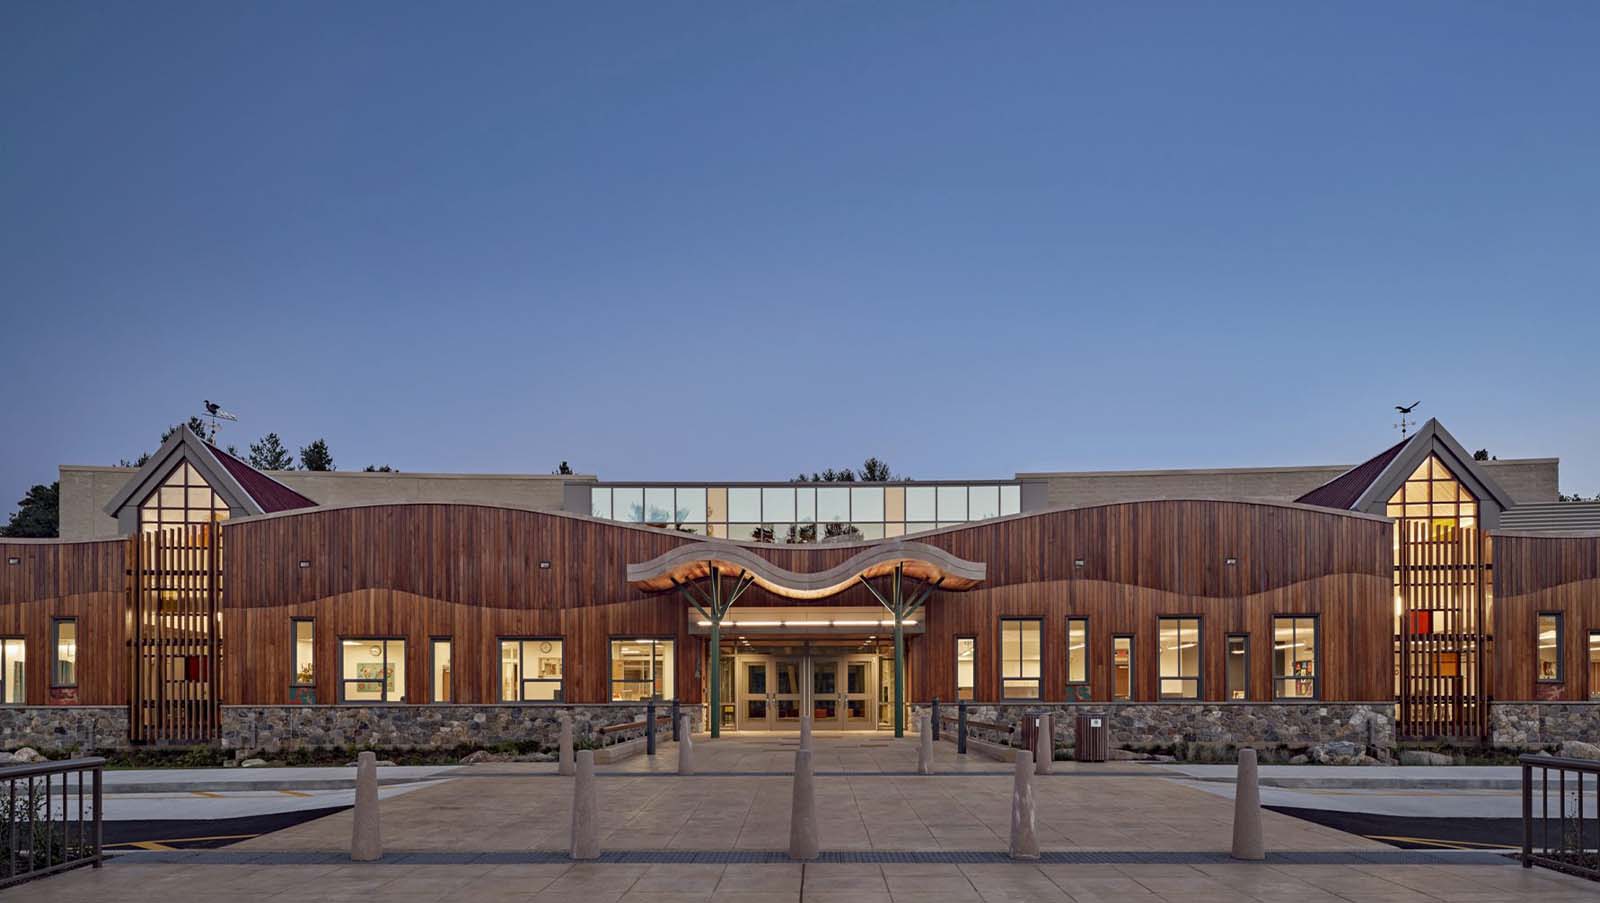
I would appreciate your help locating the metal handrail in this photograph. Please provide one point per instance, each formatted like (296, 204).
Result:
(41, 837)
(1577, 850)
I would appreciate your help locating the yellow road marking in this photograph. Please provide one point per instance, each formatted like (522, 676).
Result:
(293, 793)
(149, 845)
(163, 844)
(1447, 844)
(206, 793)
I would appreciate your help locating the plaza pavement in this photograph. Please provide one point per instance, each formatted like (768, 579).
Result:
(1110, 832)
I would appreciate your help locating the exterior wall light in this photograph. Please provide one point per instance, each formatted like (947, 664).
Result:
(1077, 562)
(544, 565)
(1230, 562)
(13, 560)
(304, 563)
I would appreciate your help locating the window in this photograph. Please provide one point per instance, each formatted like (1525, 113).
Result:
(440, 686)
(305, 652)
(1077, 659)
(1238, 666)
(372, 670)
(1122, 668)
(1551, 630)
(183, 498)
(1019, 657)
(1180, 658)
(1294, 658)
(13, 671)
(966, 666)
(1594, 665)
(641, 669)
(530, 670)
(64, 640)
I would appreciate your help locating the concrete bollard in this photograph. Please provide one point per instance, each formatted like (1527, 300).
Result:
(1044, 757)
(1024, 839)
(803, 809)
(925, 745)
(805, 731)
(685, 746)
(585, 810)
(566, 766)
(1247, 840)
(366, 843)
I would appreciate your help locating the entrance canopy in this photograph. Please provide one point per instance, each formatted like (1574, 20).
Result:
(696, 561)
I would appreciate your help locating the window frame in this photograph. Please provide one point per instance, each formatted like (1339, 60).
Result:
(655, 682)
(1199, 678)
(294, 652)
(5, 684)
(1227, 652)
(1589, 660)
(1316, 658)
(1561, 641)
(384, 641)
(55, 652)
(1133, 667)
(1038, 682)
(959, 639)
(522, 669)
(433, 669)
(1088, 658)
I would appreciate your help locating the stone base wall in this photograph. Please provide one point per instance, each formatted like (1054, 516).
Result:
(1543, 725)
(1213, 730)
(50, 729)
(276, 729)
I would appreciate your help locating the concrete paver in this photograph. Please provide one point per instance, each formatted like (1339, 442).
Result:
(737, 804)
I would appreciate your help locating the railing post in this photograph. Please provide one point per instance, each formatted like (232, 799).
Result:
(961, 727)
(936, 719)
(676, 738)
(99, 822)
(650, 728)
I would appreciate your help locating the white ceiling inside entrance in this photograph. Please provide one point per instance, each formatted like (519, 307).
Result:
(793, 620)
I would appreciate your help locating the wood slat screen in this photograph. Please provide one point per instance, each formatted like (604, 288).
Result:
(174, 591)
(1441, 586)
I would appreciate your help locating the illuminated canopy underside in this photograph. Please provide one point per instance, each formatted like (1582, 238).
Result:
(692, 562)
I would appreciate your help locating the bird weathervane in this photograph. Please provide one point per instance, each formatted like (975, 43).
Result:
(1405, 415)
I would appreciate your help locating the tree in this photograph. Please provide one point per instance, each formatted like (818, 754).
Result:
(38, 514)
(876, 470)
(269, 454)
(378, 468)
(1575, 497)
(564, 469)
(873, 470)
(316, 456)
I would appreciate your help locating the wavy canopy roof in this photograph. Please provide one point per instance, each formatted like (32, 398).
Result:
(694, 562)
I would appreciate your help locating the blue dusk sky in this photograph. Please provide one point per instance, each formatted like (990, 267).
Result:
(736, 241)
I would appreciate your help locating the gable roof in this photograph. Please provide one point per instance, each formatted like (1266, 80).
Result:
(1373, 482)
(268, 493)
(1343, 490)
(240, 485)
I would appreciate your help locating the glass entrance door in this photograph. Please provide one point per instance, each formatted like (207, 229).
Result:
(755, 694)
(825, 701)
(789, 692)
(856, 710)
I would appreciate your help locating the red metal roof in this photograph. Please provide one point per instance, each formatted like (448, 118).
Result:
(1344, 490)
(270, 494)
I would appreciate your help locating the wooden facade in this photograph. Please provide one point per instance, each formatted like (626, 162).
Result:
(1535, 574)
(476, 574)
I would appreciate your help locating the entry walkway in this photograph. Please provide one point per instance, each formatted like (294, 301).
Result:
(495, 832)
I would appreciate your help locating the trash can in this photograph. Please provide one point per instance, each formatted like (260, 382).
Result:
(1092, 737)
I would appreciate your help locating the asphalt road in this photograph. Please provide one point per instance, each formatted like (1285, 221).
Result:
(195, 833)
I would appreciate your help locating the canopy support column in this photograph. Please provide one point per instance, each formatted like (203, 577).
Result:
(714, 607)
(902, 608)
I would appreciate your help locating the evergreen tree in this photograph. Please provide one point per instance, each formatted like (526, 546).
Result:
(378, 468)
(269, 454)
(316, 456)
(38, 514)
(196, 425)
(564, 468)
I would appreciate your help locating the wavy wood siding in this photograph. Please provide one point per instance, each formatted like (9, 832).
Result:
(83, 580)
(1534, 574)
(472, 573)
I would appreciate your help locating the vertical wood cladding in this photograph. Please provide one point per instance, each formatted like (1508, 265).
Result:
(472, 573)
(82, 580)
(1534, 574)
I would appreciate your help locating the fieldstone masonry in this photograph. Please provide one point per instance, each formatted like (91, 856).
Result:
(1533, 725)
(55, 729)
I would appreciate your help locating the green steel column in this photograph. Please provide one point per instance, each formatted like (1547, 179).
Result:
(899, 660)
(716, 678)
(716, 654)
